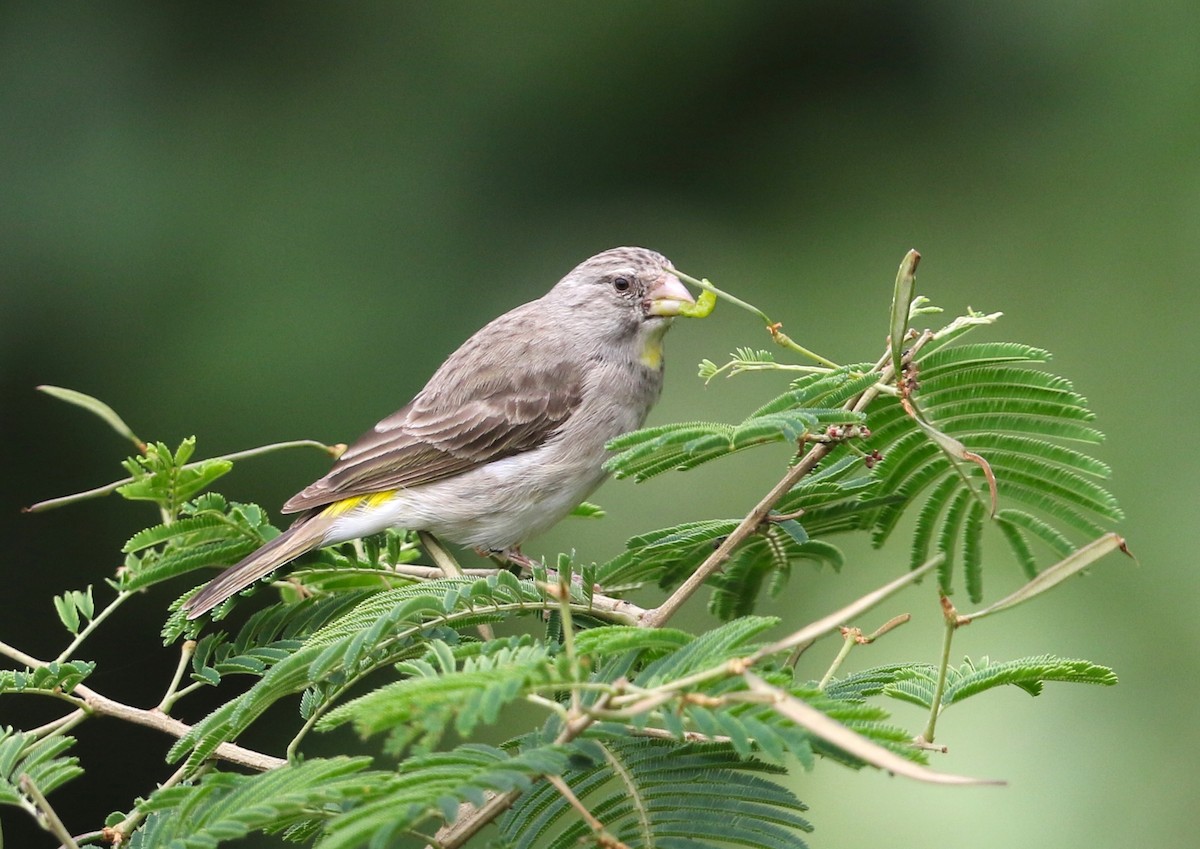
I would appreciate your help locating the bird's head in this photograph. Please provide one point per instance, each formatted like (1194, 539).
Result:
(626, 286)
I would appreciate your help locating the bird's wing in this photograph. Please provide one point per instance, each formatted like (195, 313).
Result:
(441, 434)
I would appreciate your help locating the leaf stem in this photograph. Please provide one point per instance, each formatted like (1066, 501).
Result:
(850, 637)
(600, 834)
(562, 592)
(441, 557)
(656, 617)
(121, 597)
(173, 694)
(60, 725)
(935, 708)
(109, 488)
(773, 327)
(49, 819)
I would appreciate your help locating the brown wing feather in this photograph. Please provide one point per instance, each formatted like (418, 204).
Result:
(439, 435)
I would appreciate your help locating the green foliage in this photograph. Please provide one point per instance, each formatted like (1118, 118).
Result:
(166, 478)
(917, 683)
(588, 510)
(989, 397)
(669, 740)
(53, 677)
(741, 360)
(270, 635)
(832, 500)
(210, 531)
(39, 760)
(420, 707)
(986, 398)
(654, 794)
(711, 648)
(74, 606)
(804, 410)
(433, 786)
(382, 628)
(224, 806)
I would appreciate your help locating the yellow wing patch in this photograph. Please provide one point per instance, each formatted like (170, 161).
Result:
(341, 508)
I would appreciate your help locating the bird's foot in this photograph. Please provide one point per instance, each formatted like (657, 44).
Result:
(510, 557)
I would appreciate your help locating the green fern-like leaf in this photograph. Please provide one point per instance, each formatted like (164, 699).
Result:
(224, 806)
(269, 636)
(41, 760)
(755, 728)
(665, 556)
(655, 794)
(1028, 673)
(917, 682)
(420, 708)
(708, 649)
(431, 787)
(808, 407)
(386, 627)
(209, 532)
(53, 677)
(163, 476)
(992, 399)
(609, 640)
(669, 555)
(764, 562)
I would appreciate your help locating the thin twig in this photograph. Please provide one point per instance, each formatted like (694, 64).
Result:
(92, 624)
(658, 616)
(95, 703)
(450, 569)
(599, 832)
(109, 488)
(169, 698)
(60, 725)
(444, 559)
(121, 831)
(105, 706)
(562, 593)
(52, 822)
(848, 643)
(472, 820)
(950, 617)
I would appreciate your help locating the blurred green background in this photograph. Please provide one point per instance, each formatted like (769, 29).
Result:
(266, 221)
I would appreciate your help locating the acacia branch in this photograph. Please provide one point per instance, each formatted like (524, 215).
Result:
(93, 703)
(657, 617)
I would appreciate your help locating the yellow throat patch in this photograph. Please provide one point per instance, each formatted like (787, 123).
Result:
(652, 353)
(652, 349)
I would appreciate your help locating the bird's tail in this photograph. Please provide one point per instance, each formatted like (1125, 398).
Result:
(304, 535)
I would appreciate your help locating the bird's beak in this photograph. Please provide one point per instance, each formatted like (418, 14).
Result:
(666, 296)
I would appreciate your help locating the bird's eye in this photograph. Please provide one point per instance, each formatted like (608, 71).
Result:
(622, 284)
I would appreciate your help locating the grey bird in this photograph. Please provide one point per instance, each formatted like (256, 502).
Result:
(508, 435)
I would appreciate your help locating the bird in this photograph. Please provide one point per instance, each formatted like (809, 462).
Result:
(509, 434)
